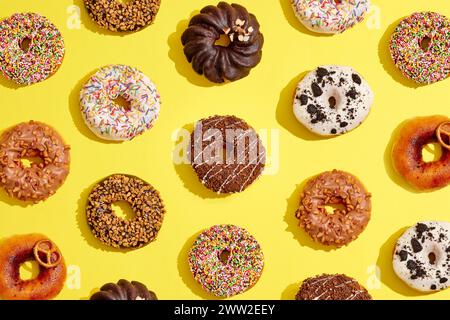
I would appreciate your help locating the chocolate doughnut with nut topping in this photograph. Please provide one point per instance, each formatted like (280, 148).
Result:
(344, 224)
(115, 15)
(33, 140)
(115, 231)
(217, 62)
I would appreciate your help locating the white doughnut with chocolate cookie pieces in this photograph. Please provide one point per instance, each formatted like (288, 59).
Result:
(422, 256)
(332, 100)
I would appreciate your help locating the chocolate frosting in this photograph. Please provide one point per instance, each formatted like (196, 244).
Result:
(124, 290)
(219, 63)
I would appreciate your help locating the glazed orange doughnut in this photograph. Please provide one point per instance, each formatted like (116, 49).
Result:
(407, 153)
(52, 270)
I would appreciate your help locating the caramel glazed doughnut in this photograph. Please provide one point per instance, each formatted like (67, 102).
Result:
(52, 274)
(344, 225)
(332, 100)
(117, 232)
(422, 256)
(40, 180)
(220, 63)
(124, 290)
(407, 153)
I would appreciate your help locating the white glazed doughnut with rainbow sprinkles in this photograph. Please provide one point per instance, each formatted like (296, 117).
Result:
(330, 16)
(106, 118)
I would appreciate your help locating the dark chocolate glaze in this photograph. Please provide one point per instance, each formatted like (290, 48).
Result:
(124, 290)
(219, 63)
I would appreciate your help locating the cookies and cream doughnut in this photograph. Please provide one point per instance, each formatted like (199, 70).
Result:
(332, 100)
(422, 256)
(330, 16)
(106, 118)
(226, 260)
(35, 62)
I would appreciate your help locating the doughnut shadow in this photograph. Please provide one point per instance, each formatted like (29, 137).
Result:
(185, 272)
(285, 113)
(291, 291)
(5, 198)
(187, 174)
(293, 224)
(91, 25)
(9, 84)
(289, 14)
(75, 111)
(387, 62)
(182, 65)
(389, 166)
(387, 274)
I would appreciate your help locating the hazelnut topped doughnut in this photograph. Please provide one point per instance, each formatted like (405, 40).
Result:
(220, 63)
(117, 232)
(118, 16)
(31, 48)
(14, 252)
(343, 225)
(407, 158)
(40, 180)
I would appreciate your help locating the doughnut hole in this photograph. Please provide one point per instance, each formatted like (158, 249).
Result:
(122, 103)
(425, 43)
(224, 256)
(32, 158)
(29, 270)
(332, 102)
(25, 44)
(125, 1)
(334, 208)
(123, 210)
(432, 152)
(432, 258)
(223, 41)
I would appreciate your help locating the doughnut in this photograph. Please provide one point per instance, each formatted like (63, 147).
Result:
(115, 15)
(105, 117)
(40, 180)
(414, 135)
(330, 16)
(226, 154)
(31, 48)
(332, 100)
(422, 256)
(115, 231)
(124, 290)
(19, 249)
(332, 287)
(344, 225)
(420, 47)
(226, 260)
(217, 62)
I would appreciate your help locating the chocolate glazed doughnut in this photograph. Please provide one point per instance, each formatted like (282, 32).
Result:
(124, 290)
(52, 274)
(407, 153)
(219, 63)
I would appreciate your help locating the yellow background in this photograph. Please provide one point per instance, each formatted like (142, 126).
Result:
(264, 99)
